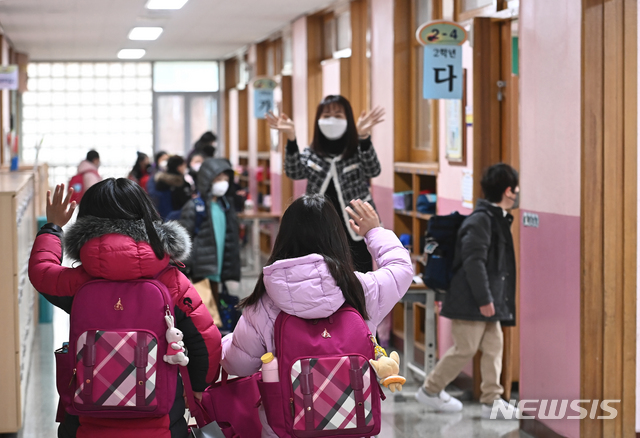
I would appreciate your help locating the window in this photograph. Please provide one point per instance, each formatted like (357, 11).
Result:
(185, 77)
(75, 107)
(337, 33)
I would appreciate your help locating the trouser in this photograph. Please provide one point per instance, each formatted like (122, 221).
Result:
(468, 338)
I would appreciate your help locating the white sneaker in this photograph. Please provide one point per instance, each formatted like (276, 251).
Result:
(504, 411)
(442, 402)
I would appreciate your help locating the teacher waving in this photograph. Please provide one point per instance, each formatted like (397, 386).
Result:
(338, 163)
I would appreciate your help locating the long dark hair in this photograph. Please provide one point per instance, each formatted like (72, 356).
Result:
(122, 199)
(138, 171)
(348, 142)
(311, 225)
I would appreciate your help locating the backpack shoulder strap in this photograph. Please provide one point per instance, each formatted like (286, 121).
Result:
(201, 213)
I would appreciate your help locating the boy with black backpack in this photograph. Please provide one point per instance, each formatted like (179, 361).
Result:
(481, 295)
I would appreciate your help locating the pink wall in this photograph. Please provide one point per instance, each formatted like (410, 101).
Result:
(331, 77)
(550, 151)
(382, 51)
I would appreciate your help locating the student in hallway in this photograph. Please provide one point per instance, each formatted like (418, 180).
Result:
(87, 175)
(338, 163)
(118, 236)
(310, 274)
(213, 224)
(481, 297)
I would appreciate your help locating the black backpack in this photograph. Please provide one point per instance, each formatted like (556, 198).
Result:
(440, 250)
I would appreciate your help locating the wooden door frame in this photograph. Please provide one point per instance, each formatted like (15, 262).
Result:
(609, 212)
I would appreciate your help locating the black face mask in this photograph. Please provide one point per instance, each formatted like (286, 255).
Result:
(516, 201)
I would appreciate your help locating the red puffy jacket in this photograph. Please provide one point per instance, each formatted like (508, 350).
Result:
(117, 250)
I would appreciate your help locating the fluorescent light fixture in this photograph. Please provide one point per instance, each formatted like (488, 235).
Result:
(131, 53)
(165, 4)
(145, 33)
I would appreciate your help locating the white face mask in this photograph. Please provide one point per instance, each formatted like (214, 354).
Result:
(163, 165)
(219, 188)
(196, 166)
(332, 128)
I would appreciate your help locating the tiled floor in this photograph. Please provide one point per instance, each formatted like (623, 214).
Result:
(401, 418)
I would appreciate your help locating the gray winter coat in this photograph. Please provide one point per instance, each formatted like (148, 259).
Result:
(487, 267)
(203, 262)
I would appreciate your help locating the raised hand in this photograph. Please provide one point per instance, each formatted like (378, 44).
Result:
(368, 120)
(363, 217)
(60, 209)
(283, 124)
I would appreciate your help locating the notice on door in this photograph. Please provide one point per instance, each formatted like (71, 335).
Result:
(9, 77)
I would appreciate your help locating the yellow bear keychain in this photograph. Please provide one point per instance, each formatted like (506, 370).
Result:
(387, 368)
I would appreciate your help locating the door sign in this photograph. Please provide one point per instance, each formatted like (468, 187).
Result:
(443, 74)
(445, 33)
(263, 100)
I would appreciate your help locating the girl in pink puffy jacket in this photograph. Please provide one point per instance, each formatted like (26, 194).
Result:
(310, 275)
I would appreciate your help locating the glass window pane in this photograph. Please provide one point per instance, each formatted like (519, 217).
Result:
(88, 99)
(58, 84)
(44, 69)
(102, 112)
(185, 76)
(44, 84)
(170, 119)
(115, 69)
(470, 5)
(343, 38)
(102, 84)
(116, 98)
(204, 116)
(59, 98)
(144, 69)
(102, 69)
(129, 69)
(73, 98)
(33, 83)
(73, 84)
(30, 98)
(32, 70)
(129, 84)
(144, 84)
(115, 84)
(73, 70)
(44, 98)
(86, 69)
(423, 108)
(57, 70)
(87, 84)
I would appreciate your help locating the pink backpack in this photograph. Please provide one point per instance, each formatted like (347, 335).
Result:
(113, 366)
(77, 183)
(327, 387)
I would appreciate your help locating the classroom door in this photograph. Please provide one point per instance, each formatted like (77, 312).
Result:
(181, 118)
(495, 140)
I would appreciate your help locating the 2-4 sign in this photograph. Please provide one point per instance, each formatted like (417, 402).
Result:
(445, 33)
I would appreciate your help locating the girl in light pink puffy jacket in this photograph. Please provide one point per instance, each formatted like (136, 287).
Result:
(310, 275)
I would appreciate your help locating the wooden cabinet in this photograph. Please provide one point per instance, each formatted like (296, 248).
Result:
(18, 312)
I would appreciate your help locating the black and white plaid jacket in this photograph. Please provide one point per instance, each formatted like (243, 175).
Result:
(350, 176)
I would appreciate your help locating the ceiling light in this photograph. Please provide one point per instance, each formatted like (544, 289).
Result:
(165, 4)
(145, 33)
(131, 53)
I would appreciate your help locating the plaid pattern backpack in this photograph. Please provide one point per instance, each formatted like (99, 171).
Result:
(327, 387)
(113, 366)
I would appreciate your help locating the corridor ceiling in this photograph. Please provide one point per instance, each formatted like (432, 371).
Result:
(95, 30)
